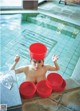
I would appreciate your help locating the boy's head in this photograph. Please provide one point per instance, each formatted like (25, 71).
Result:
(37, 54)
(37, 64)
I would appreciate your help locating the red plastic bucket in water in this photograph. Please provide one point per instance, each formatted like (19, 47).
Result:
(61, 88)
(37, 51)
(43, 89)
(27, 90)
(54, 80)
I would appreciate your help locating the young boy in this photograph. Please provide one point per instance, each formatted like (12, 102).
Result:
(37, 70)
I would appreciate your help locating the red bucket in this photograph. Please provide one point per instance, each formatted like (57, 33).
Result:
(27, 90)
(61, 88)
(54, 80)
(43, 89)
(37, 51)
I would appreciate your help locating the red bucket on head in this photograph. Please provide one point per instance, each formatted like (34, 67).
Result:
(27, 90)
(43, 89)
(54, 80)
(37, 51)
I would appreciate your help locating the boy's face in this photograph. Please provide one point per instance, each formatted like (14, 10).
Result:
(37, 64)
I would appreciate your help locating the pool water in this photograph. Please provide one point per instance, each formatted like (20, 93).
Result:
(18, 31)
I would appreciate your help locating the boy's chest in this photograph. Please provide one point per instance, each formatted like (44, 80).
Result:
(36, 73)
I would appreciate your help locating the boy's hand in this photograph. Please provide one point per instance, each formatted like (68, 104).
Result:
(17, 58)
(54, 58)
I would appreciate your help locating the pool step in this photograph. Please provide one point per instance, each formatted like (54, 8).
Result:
(56, 25)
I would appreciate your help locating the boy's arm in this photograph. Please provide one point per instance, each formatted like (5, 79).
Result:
(56, 66)
(19, 70)
(13, 66)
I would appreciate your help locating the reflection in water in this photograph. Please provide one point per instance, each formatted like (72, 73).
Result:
(7, 79)
(11, 22)
(48, 22)
(43, 19)
(11, 25)
(60, 26)
(75, 32)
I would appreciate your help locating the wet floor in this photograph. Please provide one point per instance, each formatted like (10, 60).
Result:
(68, 101)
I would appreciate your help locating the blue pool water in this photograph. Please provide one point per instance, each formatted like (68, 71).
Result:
(18, 31)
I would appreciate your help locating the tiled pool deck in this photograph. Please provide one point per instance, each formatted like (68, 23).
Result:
(69, 12)
(61, 38)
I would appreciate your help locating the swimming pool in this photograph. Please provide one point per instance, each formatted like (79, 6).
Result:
(19, 30)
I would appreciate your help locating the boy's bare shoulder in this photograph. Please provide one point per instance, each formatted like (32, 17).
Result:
(25, 67)
(28, 67)
(47, 66)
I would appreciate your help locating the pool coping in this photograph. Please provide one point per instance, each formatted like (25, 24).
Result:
(64, 19)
